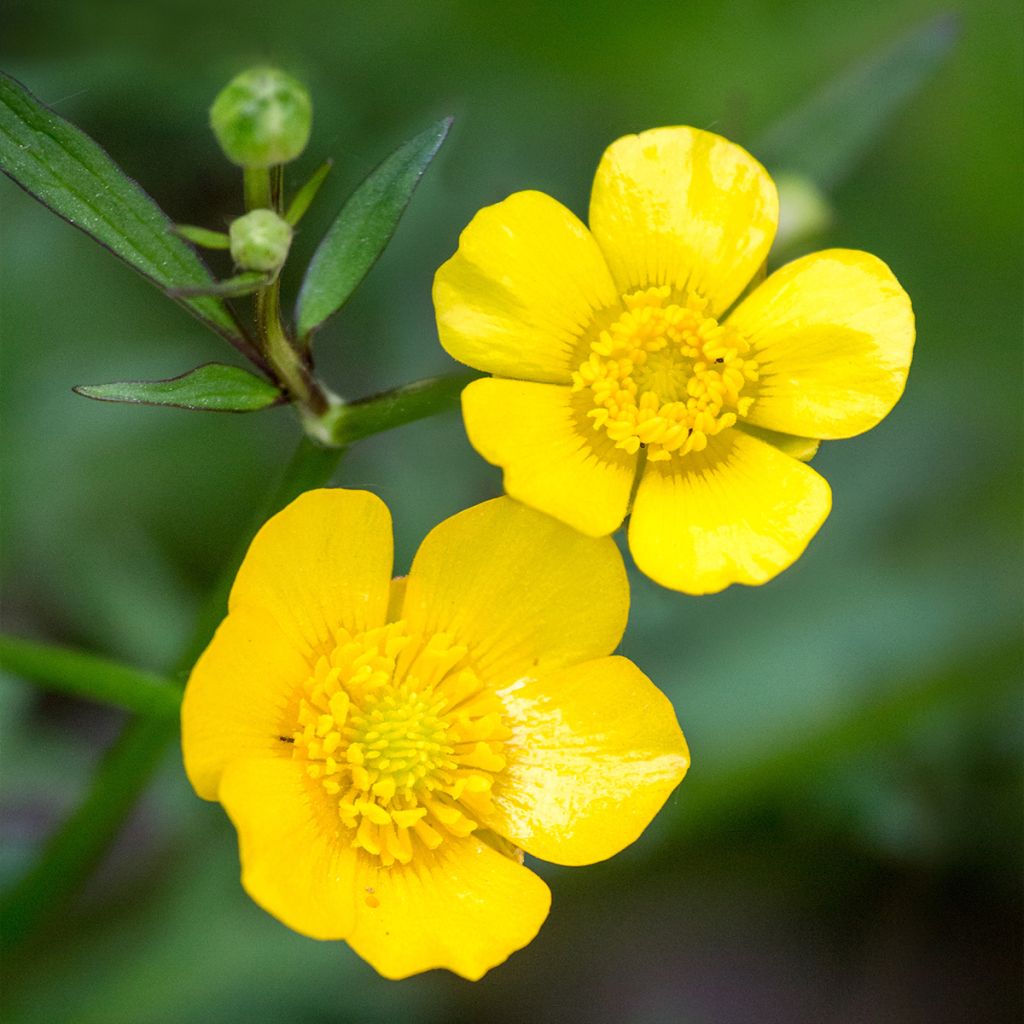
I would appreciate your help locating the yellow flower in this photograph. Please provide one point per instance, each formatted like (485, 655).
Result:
(627, 380)
(386, 749)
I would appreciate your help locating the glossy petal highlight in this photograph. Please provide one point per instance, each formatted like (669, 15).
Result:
(533, 432)
(595, 752)
(684, 208)
(522, 591)
(237, 700)
(465, 907)
(322, 562)
(833, 335)
(295, 863)
(739, 512)
(522, 288)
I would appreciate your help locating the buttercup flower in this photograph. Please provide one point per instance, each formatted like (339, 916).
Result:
(628, 380)
(386, 749)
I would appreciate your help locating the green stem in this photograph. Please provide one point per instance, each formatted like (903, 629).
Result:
(256, 183)
(286, 361)
(91, 677)
(310, 466)
(264, 189)
(345, 424)
(126, 769)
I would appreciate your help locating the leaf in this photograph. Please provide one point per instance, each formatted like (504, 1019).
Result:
(363, 228)
(203, 237)
(826, 138)
(213, 387)
(241, 284)
(301, 201)
(65, 170)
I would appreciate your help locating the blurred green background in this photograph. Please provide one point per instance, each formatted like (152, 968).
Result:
(846, 847)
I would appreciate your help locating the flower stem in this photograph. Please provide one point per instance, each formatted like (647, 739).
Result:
(125, 771)
(91, 677)
(256, 184)
(264, 189)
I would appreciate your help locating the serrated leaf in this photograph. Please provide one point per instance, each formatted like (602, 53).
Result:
(65, 170)
(363, 228)
(213, 387)
(826, 138)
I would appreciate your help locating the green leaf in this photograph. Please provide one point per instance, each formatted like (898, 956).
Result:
(203, 237)
(66, 171)
(825, 138)
(241, 284)
(305, 196)
(362, 229)
(395, 408)
(213, 387)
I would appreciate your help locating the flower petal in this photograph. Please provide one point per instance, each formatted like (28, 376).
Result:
(595, 752)
(295, 862)
(686, 208)
(738, 512)
(322, 562)
(522, 287)
(533, 432)
(237, 699)
(464, 907)
(524, 592)
(833, 334)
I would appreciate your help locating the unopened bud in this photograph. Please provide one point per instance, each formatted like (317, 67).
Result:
(804, 212)
(260, 240)
(262, 117)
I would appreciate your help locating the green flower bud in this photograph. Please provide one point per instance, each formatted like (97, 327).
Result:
(262, 117)
(804, 212)
(260, 240)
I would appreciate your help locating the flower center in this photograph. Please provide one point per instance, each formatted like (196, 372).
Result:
(665, 376)
(401, 732)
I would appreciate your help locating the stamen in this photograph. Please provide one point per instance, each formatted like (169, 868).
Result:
(665, 376)
(402, 734)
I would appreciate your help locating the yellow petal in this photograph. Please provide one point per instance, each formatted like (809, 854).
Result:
(522, 591)
(296, 863)
(595, 752)
(322, 562)
(240, 697)
(685, 208)
(833, 334)
(524, 284)
(738, 512)
(551, 461)
(463, 906)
